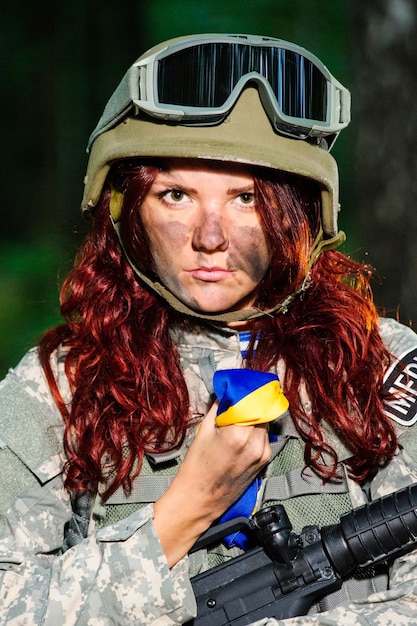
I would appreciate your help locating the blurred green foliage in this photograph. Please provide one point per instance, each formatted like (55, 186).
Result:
(61, 62)
(29, 296)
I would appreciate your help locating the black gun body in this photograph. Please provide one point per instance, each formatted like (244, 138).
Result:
(256, 587)
(285, 575)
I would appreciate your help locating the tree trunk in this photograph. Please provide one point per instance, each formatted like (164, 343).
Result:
(385, 119)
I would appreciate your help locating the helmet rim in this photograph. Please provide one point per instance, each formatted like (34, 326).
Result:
(245, 136)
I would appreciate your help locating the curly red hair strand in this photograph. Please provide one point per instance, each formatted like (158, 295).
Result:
(122, 365)
(120, 356)
(328, 339)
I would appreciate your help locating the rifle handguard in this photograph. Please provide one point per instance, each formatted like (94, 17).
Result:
(287, 573)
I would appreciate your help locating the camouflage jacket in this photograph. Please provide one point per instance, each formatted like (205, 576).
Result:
(118, 573)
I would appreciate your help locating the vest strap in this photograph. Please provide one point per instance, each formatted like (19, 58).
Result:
(144, 489)
(158, 458)
(296, 483)
(149, 487)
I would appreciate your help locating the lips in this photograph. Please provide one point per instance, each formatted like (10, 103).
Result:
(210, 274)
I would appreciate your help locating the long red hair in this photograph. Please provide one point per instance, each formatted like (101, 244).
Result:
(123, 367)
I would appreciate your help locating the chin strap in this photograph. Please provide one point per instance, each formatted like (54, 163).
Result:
(319, 245)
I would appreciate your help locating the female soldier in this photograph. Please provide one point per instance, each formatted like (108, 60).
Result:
(213, 202)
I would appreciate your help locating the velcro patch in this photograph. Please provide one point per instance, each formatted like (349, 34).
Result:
(401, 380)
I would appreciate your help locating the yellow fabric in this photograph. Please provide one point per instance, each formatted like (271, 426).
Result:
(263, 405)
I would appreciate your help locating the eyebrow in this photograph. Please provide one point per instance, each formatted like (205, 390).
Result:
(239, 190)
(171, 182)
(169, 179)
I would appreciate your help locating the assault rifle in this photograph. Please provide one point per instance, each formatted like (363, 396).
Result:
(286, 573)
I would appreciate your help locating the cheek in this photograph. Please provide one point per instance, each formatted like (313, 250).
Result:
(167, 238)
(251, 250)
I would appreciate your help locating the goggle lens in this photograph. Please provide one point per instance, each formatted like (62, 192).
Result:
(204, 76)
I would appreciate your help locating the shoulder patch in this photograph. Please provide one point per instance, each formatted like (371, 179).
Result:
(401, 381)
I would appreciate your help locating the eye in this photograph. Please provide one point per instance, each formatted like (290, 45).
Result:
(173, 196)
(247, 198)
(176, 195)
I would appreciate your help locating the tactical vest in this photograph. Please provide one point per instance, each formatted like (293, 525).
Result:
(306, 499)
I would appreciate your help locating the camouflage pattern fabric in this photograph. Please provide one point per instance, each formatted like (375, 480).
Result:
(119, 574)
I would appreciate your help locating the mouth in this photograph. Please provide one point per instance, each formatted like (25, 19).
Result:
(211, 274)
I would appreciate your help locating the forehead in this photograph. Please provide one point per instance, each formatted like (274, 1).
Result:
(192, 166)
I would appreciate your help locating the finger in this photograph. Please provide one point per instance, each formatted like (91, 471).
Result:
(209, 421)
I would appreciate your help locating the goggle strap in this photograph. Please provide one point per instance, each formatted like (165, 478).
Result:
(319, 245)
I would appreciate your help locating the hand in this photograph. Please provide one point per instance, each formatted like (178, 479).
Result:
(219, 465)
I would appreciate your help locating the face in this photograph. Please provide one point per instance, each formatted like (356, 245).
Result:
(205, 234)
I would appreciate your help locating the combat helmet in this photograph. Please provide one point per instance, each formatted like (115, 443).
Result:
(240, 98)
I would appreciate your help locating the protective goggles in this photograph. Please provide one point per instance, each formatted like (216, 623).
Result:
(197, 80)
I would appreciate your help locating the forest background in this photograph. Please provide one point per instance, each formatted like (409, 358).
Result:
(60, 62)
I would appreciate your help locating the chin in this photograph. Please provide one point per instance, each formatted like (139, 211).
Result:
(220, 307)
(219, 304)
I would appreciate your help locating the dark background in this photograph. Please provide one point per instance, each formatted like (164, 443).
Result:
(60, 62)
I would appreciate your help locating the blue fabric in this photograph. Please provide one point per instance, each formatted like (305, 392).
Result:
(244, 507)
(244, 340)
(233, 385)
(248, 397)
(230, 387)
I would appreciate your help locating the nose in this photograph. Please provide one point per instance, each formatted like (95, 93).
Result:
(210, 233)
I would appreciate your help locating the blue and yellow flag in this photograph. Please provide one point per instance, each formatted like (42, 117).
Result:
(248, 397)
